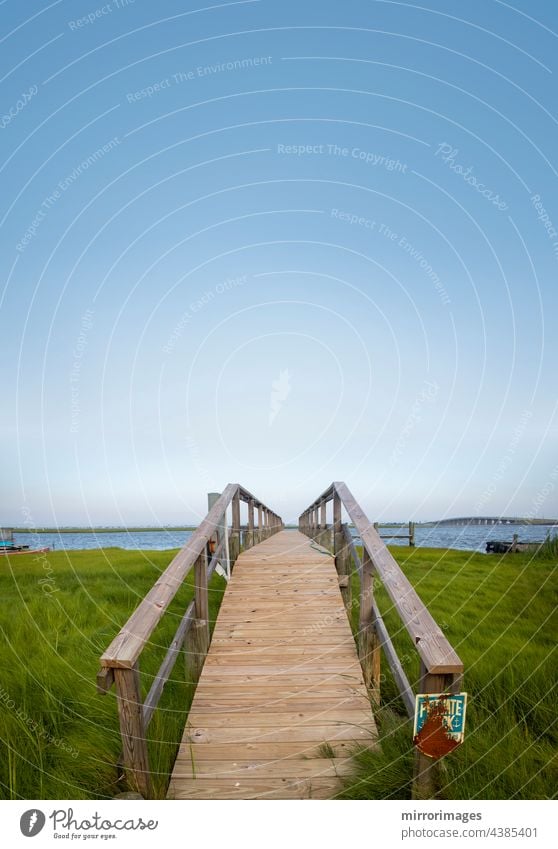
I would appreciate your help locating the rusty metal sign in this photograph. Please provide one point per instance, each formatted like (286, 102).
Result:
(439, 722)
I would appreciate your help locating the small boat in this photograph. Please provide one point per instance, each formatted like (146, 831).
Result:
(497, 546)
(23, 549)
(8, 545)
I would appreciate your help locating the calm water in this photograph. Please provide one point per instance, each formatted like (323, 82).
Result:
(472, 538)
(467, 538)
(146, 540)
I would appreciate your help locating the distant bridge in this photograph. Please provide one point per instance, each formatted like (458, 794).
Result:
(493, 520)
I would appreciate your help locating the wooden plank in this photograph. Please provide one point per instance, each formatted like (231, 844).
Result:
(263, 718)
(278, 788)
(266, 751)
(324, 733)
(195, 766)
(272, 703)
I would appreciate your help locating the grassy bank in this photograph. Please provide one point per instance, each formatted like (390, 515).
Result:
(499, 613)
(58, 737)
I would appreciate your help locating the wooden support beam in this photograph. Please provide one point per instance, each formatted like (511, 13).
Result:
(195, 649)
(341, 551)
(235, 528)
(368, 643)
(197, 639)
(249, 535)
(132, 730)
(426, 781)
(201, 601)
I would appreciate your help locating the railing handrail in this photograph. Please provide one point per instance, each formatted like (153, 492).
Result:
(120, 662)
(433, 647)
(126, 647)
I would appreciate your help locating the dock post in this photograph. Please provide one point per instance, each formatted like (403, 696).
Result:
(412, 534)
(196, 643)
(132, 729)
(369, 648)
(260, 524)
(323, 534)
(426, 779)
(341, 552)
(235, 528)
(249, 535)
(222, 533)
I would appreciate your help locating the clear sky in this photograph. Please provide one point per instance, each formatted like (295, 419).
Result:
(280, 243)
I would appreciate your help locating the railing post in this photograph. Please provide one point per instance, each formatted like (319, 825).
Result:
(221, 533)
(197, 639)
(235, 529)
(369, 649)
(341, 553)
(249, 536)
(260, 524)
(323, 534)
(426, 780)
(132, 729)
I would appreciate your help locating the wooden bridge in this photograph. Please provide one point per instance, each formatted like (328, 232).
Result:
(284, 694)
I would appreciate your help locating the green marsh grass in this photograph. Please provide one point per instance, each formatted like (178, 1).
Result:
(58, 737)
(500, 614)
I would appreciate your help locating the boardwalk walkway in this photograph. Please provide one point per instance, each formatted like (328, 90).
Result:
(281, 680)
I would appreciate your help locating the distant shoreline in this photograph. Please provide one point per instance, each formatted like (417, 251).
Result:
(132, 530)
(120, 530)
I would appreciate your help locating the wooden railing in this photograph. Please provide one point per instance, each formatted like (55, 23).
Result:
(210, 544)
(441, 670)
(410, 536)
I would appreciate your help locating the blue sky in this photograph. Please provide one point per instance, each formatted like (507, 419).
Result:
(278, 243)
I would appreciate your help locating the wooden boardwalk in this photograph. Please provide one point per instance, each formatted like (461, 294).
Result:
(281, 702)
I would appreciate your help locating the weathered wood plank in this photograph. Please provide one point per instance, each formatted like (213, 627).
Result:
(260, 688)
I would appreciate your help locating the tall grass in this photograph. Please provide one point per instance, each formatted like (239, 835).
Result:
(499, 613)
(549, 549)
(58, 737)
